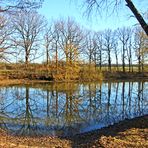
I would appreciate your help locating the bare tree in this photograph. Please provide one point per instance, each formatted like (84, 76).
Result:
(12, 5)
(48, 41)
(108, 45)
(70, 38)
(97, 5)
(124, 37)
(116, 52)
(28, 26)
(52, 43)
(90, 47)
(66, 43)
(5, 38)
(56, 43)
(141, 48)
(99, 52)
(129, 51)
(95, 53)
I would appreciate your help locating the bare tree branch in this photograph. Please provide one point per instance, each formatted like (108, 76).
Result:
(12, 5)
(98, 5)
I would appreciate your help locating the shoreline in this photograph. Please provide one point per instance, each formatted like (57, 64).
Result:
(126, 133)
(102, 76)
(6, 82)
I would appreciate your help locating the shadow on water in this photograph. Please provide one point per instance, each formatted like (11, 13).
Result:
(70, 109)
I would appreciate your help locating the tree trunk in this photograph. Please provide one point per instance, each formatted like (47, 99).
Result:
(123, 58)
(26, 61)
(56, 58)
(139, 63)
(100, 60)
(137, 15)
(47, 56)
(117, 67)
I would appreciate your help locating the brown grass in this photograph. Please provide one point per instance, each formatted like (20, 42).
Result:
(6, 82)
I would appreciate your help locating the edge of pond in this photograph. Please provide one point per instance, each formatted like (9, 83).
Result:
(110, 136)
(8, 82)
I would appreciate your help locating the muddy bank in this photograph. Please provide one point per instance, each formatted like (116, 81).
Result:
(128, 133)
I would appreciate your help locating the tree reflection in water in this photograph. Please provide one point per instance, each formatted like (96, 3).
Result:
(69, 108)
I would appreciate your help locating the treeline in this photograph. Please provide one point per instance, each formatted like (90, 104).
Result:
(65, 46)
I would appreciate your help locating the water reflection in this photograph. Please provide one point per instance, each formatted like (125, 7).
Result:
(65, 109)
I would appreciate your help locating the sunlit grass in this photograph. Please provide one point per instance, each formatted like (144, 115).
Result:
(64, 72)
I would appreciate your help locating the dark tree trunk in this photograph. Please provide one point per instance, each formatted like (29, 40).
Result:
(116, 56)
(56, 57)
(137, 15)
(100, 59)
(123, 59)
(139, 62)
(109, 59)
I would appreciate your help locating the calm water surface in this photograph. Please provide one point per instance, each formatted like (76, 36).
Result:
(65, 109)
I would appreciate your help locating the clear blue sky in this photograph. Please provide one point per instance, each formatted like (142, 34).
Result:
(54, 9)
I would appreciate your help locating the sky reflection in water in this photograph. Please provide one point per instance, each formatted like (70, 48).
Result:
(65, 109)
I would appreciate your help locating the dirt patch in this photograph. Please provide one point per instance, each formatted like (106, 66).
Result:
(128, 133)
(9, 141)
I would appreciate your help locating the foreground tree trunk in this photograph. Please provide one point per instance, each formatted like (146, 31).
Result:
(137, 15)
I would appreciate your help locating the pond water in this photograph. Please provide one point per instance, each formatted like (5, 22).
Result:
(65, 109)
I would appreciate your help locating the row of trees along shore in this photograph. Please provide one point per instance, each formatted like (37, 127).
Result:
(71, 51)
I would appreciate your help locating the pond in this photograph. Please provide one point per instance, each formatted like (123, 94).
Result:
(66, 109)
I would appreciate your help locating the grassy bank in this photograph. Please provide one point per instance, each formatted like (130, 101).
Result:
(128, 133)
(69, 72)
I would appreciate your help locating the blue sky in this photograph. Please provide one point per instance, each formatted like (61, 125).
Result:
(54, 9)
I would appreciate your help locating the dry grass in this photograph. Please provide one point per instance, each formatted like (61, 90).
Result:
(66, 72)
(6, 82)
